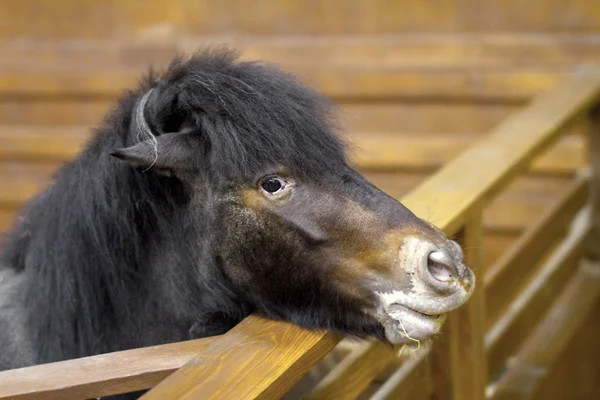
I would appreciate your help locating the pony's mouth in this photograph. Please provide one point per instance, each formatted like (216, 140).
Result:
(399, 309)
(405, 325)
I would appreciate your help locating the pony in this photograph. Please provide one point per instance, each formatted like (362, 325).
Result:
(215, 189)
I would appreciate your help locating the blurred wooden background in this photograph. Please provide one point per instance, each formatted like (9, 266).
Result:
(417, 81)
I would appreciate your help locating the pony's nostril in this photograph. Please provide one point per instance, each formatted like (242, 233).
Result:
(441, 266)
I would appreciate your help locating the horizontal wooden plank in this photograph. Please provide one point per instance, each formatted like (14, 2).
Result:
(544, 346)
(158, 20)
(517, 85)
(21, 181)
(513, 270)
(508, 67)
(6, 220)
(402, 51)
(257, 358)
(41, 143)
(53, 111)
(531, 303)
(100, 375)
(355, 115)
(505, 152)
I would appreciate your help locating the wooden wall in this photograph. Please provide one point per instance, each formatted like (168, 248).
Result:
(428, 76)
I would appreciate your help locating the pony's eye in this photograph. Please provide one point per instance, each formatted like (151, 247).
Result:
(272, 184)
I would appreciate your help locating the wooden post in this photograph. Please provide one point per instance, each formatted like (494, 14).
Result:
(460, 363)
(593, 248)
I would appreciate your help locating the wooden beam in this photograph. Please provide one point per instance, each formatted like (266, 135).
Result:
(101, 375)
(256, 359)
(531, 304)
(405, 51)
(468, 364)
(513, 270)
(501, 65)
(593, 249)
(412, 381)
(544, 346)
(354, 374)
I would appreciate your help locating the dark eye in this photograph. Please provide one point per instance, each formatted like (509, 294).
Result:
(272, 184)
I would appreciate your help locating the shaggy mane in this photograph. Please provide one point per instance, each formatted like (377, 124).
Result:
(85, 243)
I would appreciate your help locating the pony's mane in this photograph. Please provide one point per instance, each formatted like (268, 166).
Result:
(253, 114)
(86, 242)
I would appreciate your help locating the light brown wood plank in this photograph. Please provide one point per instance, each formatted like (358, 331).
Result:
(545, 345)
(53, 111)
(531, 303)
(514, 269)
(21, 181)
(376, 118)
(412, 381)
(158, 20)
(354, 373)
(257, 358)
(575, 373)
(399, 50)
(6, 220)
(33, 143)
(468, 363)
(100, 375)
(517, 85)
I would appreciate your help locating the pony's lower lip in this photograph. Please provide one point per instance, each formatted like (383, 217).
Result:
(398, 308)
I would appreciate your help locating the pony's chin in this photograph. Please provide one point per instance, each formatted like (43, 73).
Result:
(406, 326)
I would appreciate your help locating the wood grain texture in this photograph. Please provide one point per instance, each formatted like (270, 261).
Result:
(574, 375)
(593, 249)
(516, 85)
(36, 19)
(100, 375)
(530, 305)
(411, 381)
(468, 362)
(256, 359)
(531, 364)
(354, 373)
(515, 268)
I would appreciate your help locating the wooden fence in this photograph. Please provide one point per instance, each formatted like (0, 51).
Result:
(501, 345)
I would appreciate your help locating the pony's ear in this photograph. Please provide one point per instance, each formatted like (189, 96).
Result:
(166, 153)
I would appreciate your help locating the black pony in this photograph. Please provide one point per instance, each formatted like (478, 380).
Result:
(214, 190)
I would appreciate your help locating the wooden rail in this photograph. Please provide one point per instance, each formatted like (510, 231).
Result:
(102, 375)
(261, 359)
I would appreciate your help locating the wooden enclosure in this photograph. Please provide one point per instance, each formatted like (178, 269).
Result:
(479, 116)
